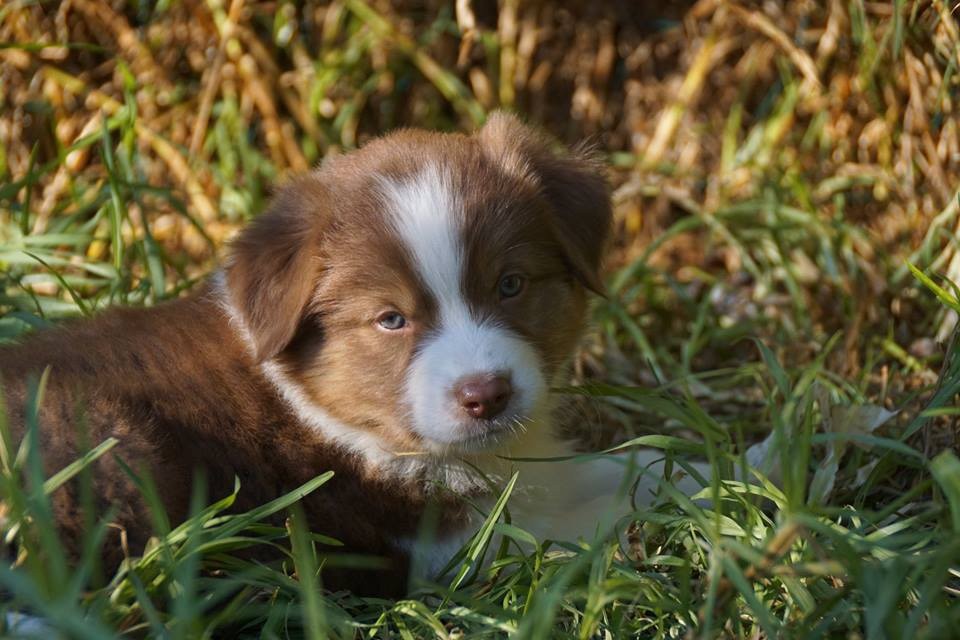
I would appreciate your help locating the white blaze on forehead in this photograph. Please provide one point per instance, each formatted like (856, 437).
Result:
(428, 215)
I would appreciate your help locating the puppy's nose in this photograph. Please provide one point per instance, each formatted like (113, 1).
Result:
(485, 396)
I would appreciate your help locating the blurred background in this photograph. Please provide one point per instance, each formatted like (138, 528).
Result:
(774, 165)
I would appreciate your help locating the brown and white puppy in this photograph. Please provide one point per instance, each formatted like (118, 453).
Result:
(398, 316)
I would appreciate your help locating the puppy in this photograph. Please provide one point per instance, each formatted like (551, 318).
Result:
(398, 316)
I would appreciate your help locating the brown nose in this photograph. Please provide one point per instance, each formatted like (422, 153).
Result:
(484, 397)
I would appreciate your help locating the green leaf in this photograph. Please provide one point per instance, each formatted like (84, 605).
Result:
(946, 470)
(941, 293)
(64, 475)
(776, 370)
(763, 614)
(480, 541)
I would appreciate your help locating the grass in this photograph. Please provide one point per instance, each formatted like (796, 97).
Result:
(785, 182)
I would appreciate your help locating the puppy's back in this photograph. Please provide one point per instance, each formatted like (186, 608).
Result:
(142, 376)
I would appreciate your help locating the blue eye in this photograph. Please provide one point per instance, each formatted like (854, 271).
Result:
(510, 286)
(391, 321)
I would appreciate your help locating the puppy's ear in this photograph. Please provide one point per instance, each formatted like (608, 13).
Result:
(571, 181)
(272, 269)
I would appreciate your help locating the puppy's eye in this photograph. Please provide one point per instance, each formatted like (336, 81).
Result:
(510, 285)
(391, 321)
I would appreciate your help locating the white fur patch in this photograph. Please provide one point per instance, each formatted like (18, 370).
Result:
(369, 445)
(558, 500)
(428, 216)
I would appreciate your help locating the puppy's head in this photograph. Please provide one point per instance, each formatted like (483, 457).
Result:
(428, 288)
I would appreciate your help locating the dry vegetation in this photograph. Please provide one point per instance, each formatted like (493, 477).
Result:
(776, 166)
(829, 120)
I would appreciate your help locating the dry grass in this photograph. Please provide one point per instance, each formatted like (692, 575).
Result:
(844, 112)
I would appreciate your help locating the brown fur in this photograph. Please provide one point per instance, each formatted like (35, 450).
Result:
(182, 391)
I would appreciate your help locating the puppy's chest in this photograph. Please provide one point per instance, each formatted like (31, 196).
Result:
(443, 532)
(551, 500)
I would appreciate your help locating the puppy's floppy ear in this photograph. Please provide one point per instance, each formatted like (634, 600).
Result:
(272, 270)
(571, 181)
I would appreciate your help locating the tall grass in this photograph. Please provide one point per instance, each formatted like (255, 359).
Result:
(778, 171)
